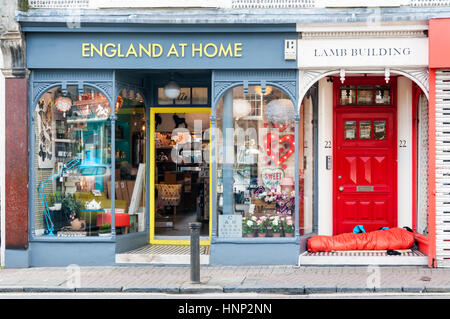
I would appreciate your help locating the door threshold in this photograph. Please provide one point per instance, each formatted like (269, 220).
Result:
(408, 257)
(188, 238)
(162, 254)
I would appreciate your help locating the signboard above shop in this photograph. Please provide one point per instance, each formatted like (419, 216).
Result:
(376, 52)
(158, 50)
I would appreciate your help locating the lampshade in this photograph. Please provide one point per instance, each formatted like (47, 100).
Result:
(280, 111)
(63, 104)
(241, 108)
(172, 90)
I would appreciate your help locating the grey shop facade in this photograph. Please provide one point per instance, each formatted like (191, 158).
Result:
(133, 134)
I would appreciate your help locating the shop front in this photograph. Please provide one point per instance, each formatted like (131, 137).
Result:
(372, 130)
(135, 134)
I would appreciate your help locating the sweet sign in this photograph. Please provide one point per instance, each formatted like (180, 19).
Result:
(271, 177)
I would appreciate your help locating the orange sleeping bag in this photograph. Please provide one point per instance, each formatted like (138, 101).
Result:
(393, 238)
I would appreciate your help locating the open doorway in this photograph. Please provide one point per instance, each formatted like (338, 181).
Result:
(179, 174)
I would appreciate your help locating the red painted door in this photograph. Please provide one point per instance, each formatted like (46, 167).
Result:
(365, 169)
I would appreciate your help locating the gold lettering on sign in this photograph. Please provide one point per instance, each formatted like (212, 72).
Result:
(156, 50)
(146, 50)
(173, 50)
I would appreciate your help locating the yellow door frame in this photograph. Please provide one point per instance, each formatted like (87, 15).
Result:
(153, 111)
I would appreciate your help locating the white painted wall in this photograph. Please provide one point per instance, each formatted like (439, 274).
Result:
(404, 154)
(2, 161)
(325, 179)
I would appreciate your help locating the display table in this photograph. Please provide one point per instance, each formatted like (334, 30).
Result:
(121, 220)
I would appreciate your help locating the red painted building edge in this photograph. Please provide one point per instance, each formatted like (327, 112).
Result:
(439, 58)
(432, 169)
(16, 163)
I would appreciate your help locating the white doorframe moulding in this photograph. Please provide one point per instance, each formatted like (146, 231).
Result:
(325, 176)
(404, 153)
(307, 77)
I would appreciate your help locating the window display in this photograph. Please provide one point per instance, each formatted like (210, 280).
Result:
(72, 161)
(130, 165)
(256, 163)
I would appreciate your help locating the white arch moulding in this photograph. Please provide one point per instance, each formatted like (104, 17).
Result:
(308, 77)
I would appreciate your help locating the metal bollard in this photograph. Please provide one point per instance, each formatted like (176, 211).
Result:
(195, 252)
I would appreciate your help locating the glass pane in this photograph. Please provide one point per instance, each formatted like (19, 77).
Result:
(364, 130)
(365, 94)
(379, 130)
(130, 167)
(306, 174)
(350, 130)
(184, 97)
(181, 174)
(162, 98)
(200, 96)
(73, 163)
(348, 95)
(256, 166)
(382, 94)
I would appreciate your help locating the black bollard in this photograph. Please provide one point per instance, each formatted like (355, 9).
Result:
(195, 252)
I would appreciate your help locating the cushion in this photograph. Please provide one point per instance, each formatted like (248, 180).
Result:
(394, 238)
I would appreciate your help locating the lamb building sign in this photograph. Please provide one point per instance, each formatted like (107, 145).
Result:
(378, 52)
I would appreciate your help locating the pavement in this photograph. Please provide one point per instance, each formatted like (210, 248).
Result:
(292, 280)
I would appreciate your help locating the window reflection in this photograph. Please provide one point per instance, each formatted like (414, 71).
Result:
(350, 130)
(73, 163)
(379, 130)
(348, 95)
(364, 130)
(365, 94)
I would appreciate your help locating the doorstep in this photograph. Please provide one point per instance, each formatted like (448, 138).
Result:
(408, 257)
(162, 254)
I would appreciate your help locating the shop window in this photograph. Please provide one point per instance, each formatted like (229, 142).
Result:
(306, 173)
(163, 99)
(184, 97)
(256, 164)
(130, 164)
(72, 163)
(188, 96)
(199, 96)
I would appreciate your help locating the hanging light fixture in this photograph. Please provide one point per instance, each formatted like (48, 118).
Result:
(280, 111)
(258, 90)
(241, 108)
(63, 104)
(172, 90)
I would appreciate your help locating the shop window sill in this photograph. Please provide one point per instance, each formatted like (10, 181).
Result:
(106, 239)
(256, 240)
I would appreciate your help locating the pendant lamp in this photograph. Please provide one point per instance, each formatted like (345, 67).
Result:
(172, 90)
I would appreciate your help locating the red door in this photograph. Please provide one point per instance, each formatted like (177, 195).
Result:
(365, 169)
